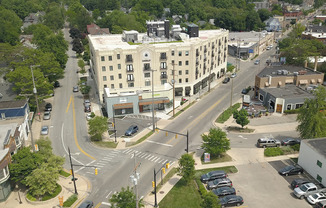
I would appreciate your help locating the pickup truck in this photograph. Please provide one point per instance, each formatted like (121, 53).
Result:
(307, 189)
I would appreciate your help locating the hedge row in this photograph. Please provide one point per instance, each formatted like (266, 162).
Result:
(70, 201)
(227, 113)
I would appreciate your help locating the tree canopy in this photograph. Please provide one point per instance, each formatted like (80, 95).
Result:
(97, 126)
(241, 117)
(186, 167)
(215, 142)
(10, 26)
(125, 199)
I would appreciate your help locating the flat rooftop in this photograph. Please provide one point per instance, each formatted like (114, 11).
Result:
(288, 91)
(272, 70)
(4, 129)
(252, 36)
(319, 145)
(114, 41)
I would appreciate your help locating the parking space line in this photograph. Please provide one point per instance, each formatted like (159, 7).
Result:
(107, 196)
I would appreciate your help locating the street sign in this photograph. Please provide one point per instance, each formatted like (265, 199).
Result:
(251, 51)
(207, 157)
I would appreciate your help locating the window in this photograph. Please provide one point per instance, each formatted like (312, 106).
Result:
(180, 53)
(187, 53)
(130, 84)
(119, 66)
(163, 81)
(103, 68)
(130, 77)
(319, 178)
(129, 68)
(2, 173)
(187, 71)
(186, 79)
(112, 86)
(111, 77)
(111, 68)
(147, 66)
(320, 164)
(172, 53)
(180, 72)
(261, 97)
(147, 74)
(129, 58)
(110, 58)
(187, 63)
(105, 86)
(120, 76)
(104, 78)
(163, 65)
(180, 80)
(288, 107)
(180, 63)
(102, 58)
(120, 85)
(172, 62)
(147, 83)
(118, 56)
(299, 105)
(163, 56)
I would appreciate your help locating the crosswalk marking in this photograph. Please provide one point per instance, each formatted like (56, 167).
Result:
(157, 159)
(153, 159)
(164, 161)
(144, 155)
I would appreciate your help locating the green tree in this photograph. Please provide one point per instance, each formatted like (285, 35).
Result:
(311, 116)
(23, 164)
(10, 26)
(77, 46)
(125, 199)
(277, 9)
(210, 200)
(97, 126)
(264, 14)
(241, 117)
(78, 16)
(186, 167)
(215, 142)
(54, 17)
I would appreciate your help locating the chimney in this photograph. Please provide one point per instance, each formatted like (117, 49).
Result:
(316, 63)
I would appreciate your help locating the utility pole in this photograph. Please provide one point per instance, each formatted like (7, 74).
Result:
(35, 92)
(239, 54)
(72, 172)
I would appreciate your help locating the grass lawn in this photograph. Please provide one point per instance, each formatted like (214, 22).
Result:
(106, 144)
(224, 158)
(140, 140)
(182, 195)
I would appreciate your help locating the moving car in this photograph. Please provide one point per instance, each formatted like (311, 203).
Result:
(291, 170)
(220, 182)
(231, 200)
(75, 89)
(317, 197)
(48, 107)
(226, 80)
(223, 191)
(298, 182)
(304, 189)
(86, 204)
(47, 115)
(290, 141)
(213, 175)
(44, 130)
(233, 75)
(257, 62)
(131, 130)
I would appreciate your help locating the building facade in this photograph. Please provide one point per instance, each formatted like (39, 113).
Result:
(125, 63)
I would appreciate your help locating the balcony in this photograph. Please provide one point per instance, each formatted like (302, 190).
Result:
(130, 70)
(163, 68)
(164, 76)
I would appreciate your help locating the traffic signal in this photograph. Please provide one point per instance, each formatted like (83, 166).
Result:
(163, 170)
(95, 171)
(176, 136)
(112, 124)
(166, 133)
(70, 171)
(153, 184)
(156, 130)
(167, 165)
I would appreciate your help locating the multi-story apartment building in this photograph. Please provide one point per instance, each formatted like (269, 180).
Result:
(125, 63)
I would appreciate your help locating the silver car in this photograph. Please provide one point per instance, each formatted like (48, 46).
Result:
(47, 115)
(45, 130)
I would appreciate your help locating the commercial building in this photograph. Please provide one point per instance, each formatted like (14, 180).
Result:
(312, 158)
(132, 64)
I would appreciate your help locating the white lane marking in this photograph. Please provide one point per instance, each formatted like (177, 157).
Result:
(132, 156)
(65, 147)
(153, 159)
(160, 161)
(84, 166)
(157, 159)
(107, 196)
(142, 155)
(164, 161)
(106, 203)
(107, 159)
(100, 163)
(138, 153)
(150, 157)
(168, 145)
(101, 166)
(147, 156)
(242, 137)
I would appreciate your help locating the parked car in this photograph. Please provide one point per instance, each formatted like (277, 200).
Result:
(304, 189)
(88, 116)
(268, 61)
(47, 115)
(75, 89)
(87, 108)
(233, 75)
(44, 130)
(48, 107)
(268, 48)
(321, 204)
(257, 62)
(223, 191)
(298, 182)
(290, 141)
(291, 170)
(213, 175)
(220, 182)
(231, 200)
(245, 91)
(56, 84)
(86, 204)
(317, 197)
(268, 142)
(131, 130)
(226, 80)
(87, 102)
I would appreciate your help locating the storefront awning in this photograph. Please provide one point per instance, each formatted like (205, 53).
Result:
(288, 81)
(197, 85)
(122, 106)
(179, 89)
(303, 81)
(319, 80)
(312, 81)
(266, 84)
(149, 101)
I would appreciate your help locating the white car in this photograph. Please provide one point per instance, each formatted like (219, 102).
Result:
(44, 130)
(233, 75)
(314, 198)
(88, 116)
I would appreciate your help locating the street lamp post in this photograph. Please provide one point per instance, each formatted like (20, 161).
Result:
(72, 172)
(35, 92)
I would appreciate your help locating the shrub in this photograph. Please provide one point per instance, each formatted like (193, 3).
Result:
(201, 187)
(70, 201)
(30, 197)
(296, 147)
(64, 173)
(273, 151)
(227, 113)
(54, 194)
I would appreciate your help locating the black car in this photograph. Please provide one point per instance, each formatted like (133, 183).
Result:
(87, 109)
(56, 84)
(231, 200)
(291, 170)
(226, 80)
(290, 141)
(213, 175)
(298, 182)
(245, 91)
(131, 130)
(48, 107)
(86, 204)
(223, 191)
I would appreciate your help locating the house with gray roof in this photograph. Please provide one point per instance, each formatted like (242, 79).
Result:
(273, 24)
